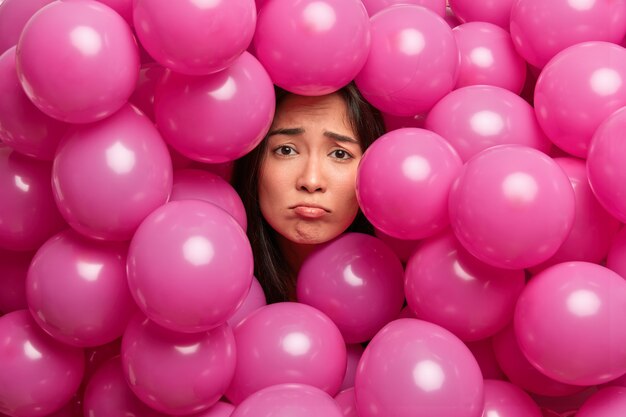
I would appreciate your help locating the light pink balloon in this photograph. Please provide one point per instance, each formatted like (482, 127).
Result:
(77, 61)
(312, 47)
(13, 269)
(77, 289)
(13, 17)
(402, 248)
(412, 367)
(192, 37)
(177, 373)
(219, 117)
(28, 214)
(219, 409)
(504, 399)
(488, 56)
(607, 402)
(577, 90)
(526, 205)
(150, 75)
(403, 182)
(542, 29)
(293, 400)
(23, 126)
(413, 61)
(375, 6)
(287, 343)
(485, 356)
(189, 266)
(195, 184)
(354, 352)
(38, 375)
(125, 173)
(565, 323)
(347, 402)
(357, 281)
(478, 117)
(254, 300)
(447, 286)
(123, 7)
(496, 12)
(616, 258)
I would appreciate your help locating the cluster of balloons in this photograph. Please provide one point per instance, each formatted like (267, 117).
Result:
(494, 285)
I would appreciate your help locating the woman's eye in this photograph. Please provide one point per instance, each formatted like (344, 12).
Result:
(285, 150)
(341, 154)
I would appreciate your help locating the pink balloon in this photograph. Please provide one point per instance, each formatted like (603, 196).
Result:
(521, 373)
(496, 12)
(478, 117)
(13, 269)
(288, 400)
(189, 266)
(565, 323)
(28, 214)
(616, 258)
(91, 68)
(504, 399)
(150, 75)
(108, 394)
(402, 248)
(38, 375)
(123, 7)
(77, 290)
(346, 401)
(357, 281)
(194, 184)
(254, 300)
(219, 117)
(413, 61)
(488, 56)
(312, 47)
(569, 23)
(177, 373)
(485, 356)
(287, 343)
(412, 367)
(403, 182)
(447, 286)
(192, 37)
(526, 205)
(607, 402)
(375, 6)
(22, 125)
(219, 409)
(125, 173)
(354, 352)
(13, 17)
(578, 89)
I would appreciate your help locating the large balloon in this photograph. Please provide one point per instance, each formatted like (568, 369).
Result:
(77, 60)
(195, 37)
(506, 200)
(504, 399)
(13, 17)
(566, 323)
(312, 47)
(496, 12)
(413, 368)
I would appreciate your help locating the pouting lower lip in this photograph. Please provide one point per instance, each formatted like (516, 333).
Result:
(310, 212)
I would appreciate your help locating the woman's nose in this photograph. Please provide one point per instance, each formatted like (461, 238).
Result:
(312, 177)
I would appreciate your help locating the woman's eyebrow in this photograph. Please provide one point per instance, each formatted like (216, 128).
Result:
(290, 131)
(340, 138)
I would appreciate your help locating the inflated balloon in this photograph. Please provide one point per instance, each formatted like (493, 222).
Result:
(578, 89)
(413, 61)
(195, 37)
(312, 47)
(23, 126)
(150, 76)
(415, 368)
(523, 198)
(219, 117)
(569, 22)
(478, 117)
(488, 57)
(28, 214)
(294, 400)
(77, 61)
(255, 299)
(287, 343)
(354, 352)
(375, 6)
(347, 402)
(108, 394)
(565, 323)
(77, 289)
(126, 173)
(123, 7)
(507, 400)
(13, 17)
(607, 402)
(189, 266)
(403, 182)
(192, 369)
(447, 286)
(195, 184)
(38, 374)
(496, 12)
(13, 269)
(605, 165)
(485, 356)
(357, 281)
(402, 248)
(616, 258)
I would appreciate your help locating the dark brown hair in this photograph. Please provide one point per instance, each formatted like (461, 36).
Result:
(270, 267)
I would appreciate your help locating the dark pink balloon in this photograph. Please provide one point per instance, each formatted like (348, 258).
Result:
(13, 269)
(125, 173)
(354, 352)
(77, 61)
(375, 6)
(13, 17)
(28, 213)
(287, 343)
(254, 300)
(357, 281)
(150, 75)
(177, 373)
(607, 402)
(485, 356)
(504, 399)
(616, 258)
(346, 401)
(219, 117)
(38, 375)
(496, 12)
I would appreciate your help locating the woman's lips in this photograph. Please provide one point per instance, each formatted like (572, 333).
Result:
(310, 212)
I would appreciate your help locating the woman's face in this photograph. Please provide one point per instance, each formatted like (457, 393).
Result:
(308, 174)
